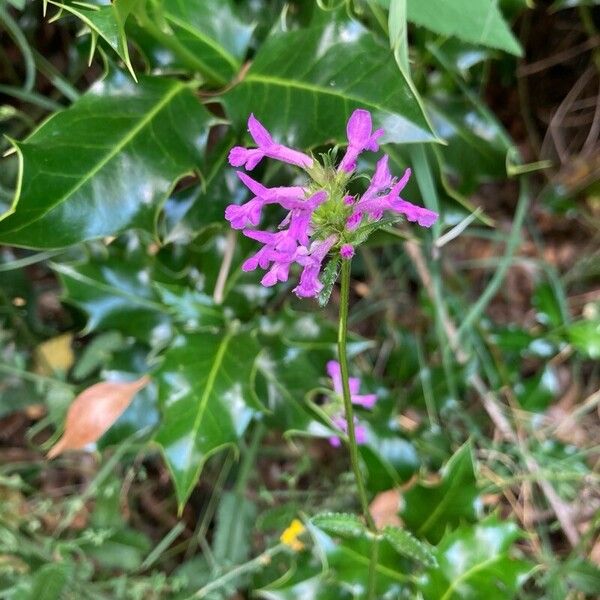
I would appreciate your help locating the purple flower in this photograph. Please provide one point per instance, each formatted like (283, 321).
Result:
(241, 216)
(313, 225)
(360, 137)
(309, 285)
(375, 202)
(278, 253)
(360, 431)
(250, 157)
(335, 372)
(347, 251)
(367, 401)
(284, 247)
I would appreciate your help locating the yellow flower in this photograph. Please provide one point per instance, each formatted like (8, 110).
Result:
(290, 536)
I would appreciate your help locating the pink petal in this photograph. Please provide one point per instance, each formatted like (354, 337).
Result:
(423, 216)
(256, 188)
(359, 127)
(258, 132)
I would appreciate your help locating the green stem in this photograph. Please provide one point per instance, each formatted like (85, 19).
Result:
(352, 445)
(373, 569)
(249, 458)
(254, 565)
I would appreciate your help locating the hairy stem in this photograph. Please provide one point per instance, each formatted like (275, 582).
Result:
(372, 589)
(349, 413)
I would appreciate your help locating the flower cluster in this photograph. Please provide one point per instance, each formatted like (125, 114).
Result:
(365, 400)
(322, 217)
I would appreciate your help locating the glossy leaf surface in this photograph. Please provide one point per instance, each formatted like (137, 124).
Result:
(474, 563)
(346, 567)
(116, 294)
(106, 22)
(106, 163)
(476, 21)
(429, 509)
(211, 33)
(333, 69)
(585, 336)
(206, 400)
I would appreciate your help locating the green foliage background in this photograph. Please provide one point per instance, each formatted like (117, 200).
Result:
(112, 193)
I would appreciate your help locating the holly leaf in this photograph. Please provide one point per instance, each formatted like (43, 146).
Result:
(106, 163)
(204, 390)
(474, 562)
(430, 509)
(304, 84)
(105, 22)
(116, 295)
(477, 21)
(209, 35)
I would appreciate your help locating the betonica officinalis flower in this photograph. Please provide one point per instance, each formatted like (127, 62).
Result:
(334, 371)
(323, 219)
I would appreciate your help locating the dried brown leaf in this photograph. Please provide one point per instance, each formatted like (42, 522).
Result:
(94, 411)
(384, 508)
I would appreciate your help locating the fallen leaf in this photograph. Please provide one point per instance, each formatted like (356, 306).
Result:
(94, 411)
(54, 355)
(384, 509)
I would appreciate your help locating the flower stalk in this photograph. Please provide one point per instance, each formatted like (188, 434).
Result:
(348, 409)
(349, 413)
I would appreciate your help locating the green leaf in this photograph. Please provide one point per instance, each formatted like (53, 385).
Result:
(106, 22)
(304, 84)
(548, 304)
(474, 563)
(116, 295)
(406, 544)
(97, 353)
(295, 348)
(398, 34)
(193, 309)
(429, 510)
(477, 21)
(106, 163)
(290, 368)
(475, 138)
(582, 575)
(236, 516)
(313, 331)
(50, 581)
(206, 400)
(210, 32)
(346, 567)
(344, 525)
(585, 336)
(390, 458)
(328, 279)
(350, 559)
(537, 392)
(287, 375)
(562, 4)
